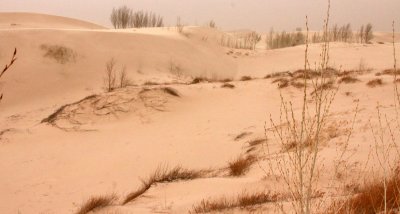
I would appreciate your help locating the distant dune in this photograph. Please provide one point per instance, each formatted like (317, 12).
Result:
(34, 20)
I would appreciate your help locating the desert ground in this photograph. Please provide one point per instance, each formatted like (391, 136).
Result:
(64, 139)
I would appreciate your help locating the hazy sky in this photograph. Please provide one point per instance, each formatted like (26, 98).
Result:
(259, 15)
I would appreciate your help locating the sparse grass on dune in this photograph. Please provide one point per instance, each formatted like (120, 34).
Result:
(164, 175)
(59, 53)
(370, 199)
(348, 79)
(278, 74)
(243, 200)
(227, 85)
(240, 165)
(388, 72)
(282, 82)
(96, 203)
(375, 82)
(245, 78)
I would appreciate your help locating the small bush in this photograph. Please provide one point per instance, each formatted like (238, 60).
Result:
(370, 198)
(59, 53)
(228, 85)
(282, 82)
(240, 165)
(278, 74)
(348, 79)
(245, 78)
(96, 203)
(199, 80)
(163, 175)
(243, 200)
(375, 82)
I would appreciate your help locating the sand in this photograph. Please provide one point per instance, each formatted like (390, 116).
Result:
(106, 144)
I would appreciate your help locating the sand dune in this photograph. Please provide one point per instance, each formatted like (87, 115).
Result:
(64, 139)
(34, 20)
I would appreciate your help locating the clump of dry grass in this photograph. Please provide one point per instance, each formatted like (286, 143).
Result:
(282, 82)
(323, 87)
(245, 78)
(163, 175)
(242, 135)
(278, 74)
(388, 72)
(370, 198)
(171, 91)
(150, 83)
(375, 82)
(199, 80)
(59, 53)
(227, 85)
(96, 203)
(240, 165)
(348, 79)
(243, 200)
(297, 84)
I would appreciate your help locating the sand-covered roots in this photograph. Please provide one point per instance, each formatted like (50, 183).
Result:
(105, 107)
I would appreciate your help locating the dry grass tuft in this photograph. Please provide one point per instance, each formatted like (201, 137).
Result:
(245, 78)
(59, 53)
(163, 175)
(198, 80)
(171, 91)
(348, 79)
(388, 72)
(227, 85)
(324, 87)
(278, 74)
(150, 83)
(375, 82)
(297, 84)
(96, 203)
(240, 165)
(243, 200)
(282, 82)
(370, 198)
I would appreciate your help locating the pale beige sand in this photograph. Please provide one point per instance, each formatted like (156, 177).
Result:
(50, 170)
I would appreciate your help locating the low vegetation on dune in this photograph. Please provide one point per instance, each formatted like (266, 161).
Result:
(372, 198)
(375, 82)
(242, 201)
(59, 53)
(164, 175)
(240, 165)
(227, 85)
(348, 79)
(97, 203)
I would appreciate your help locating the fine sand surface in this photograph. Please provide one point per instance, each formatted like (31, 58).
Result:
(107, 143)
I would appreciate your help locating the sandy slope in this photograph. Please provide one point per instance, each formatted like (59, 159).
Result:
(33, 20)
(120, 137)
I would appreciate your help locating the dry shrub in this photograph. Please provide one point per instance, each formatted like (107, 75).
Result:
(163, 175)
(245, 78)
(59, 53)
(348, 79)
(198, 80)
(171, 91)
(228, 85)
(150, 83)
(243, 200)
(297, 84)
(375, 82)
(282, 82)
(323, 87)
(390, 72)
(370, 198)
(242, 135)
(240, 165)
(96, 203)
(226, 80)
(278, 74)
(7, 66)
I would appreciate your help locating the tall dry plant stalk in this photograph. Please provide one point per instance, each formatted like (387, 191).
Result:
(300, 135)
(110, 75)
(7, 66)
